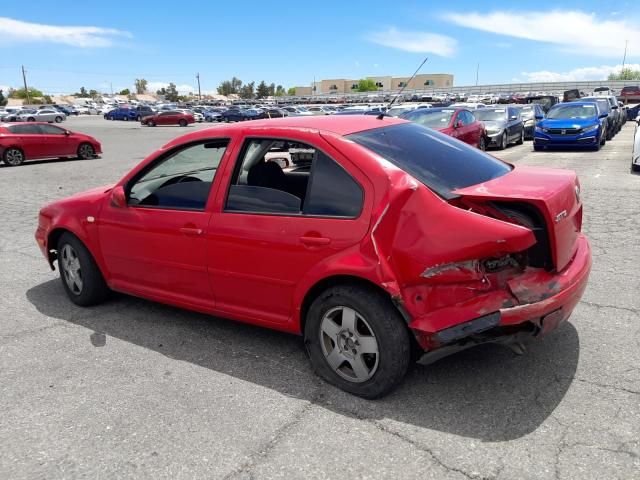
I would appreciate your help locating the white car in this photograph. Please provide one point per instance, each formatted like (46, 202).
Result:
(469, 105)
(198, 117)
(297, 111)
(44, 115)
(635, 153)
(87, 110)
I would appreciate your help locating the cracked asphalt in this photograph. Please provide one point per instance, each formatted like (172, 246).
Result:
(133, 389)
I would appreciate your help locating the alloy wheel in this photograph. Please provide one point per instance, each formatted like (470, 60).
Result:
(85, 151)
(14, 157)
(349, 344)
(70, 266)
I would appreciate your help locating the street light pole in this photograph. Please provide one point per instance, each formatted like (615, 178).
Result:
(477, 73)
(199, 93)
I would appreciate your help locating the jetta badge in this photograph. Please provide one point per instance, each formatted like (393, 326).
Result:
(561, 215)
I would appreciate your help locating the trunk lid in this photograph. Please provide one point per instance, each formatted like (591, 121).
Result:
(554, 193)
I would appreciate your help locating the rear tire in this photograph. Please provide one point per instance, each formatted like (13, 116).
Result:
(13, 157)
(182, 122)
(635, 168)
(521, 139)
(482, 144)
(369, 353)
(81, 277)
(151, 123)
(58, 119)
(31, 119)
(126, 118)
(537, 148)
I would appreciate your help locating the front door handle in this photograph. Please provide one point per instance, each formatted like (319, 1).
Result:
(315, 241)
(191, 231)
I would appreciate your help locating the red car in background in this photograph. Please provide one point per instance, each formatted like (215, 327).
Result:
(169, 117)
(385, 241)
(38, 140)
(456, 122)
(630, 92)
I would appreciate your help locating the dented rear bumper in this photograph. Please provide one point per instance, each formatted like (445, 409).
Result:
(535, 299)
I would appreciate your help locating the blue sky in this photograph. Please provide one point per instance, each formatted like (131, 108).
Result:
(67, 44)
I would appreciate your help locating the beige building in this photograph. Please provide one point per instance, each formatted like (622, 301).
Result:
(384, 83)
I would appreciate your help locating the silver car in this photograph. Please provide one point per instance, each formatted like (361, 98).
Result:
(635, 154)
(44, 115)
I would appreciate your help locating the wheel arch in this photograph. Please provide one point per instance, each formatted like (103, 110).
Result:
(52, 244)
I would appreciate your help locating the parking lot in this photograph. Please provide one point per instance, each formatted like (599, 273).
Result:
(132, 388)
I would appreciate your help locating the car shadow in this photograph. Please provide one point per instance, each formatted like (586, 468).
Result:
(28, 163)
(487, 392)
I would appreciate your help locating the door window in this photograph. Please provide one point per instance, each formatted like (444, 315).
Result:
(312, 184)
(51, 130)
(25, 129)
(182, 180)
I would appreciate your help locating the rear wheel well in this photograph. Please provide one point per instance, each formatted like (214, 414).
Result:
(336, 280)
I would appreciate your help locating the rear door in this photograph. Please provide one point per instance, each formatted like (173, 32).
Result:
(264, 241)
(30, 140)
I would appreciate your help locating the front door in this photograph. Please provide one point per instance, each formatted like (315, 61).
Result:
(276, 226)
(56, 141)
(155, 246)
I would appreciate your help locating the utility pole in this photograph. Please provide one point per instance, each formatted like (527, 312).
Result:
(111, 85)
(26, 90)
(624, 57)
(477, 72)
(199, 93)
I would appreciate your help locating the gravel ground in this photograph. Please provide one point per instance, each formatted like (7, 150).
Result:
(136, 389)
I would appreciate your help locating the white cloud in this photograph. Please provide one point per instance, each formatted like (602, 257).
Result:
(417, 42)
(85, 37)
(182, 89)
(572, 30)
(577, 74)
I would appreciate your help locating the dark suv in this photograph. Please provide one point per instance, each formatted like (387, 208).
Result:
(144, 111)
(611, 121)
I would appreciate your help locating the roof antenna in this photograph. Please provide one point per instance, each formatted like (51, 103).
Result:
(381, 116)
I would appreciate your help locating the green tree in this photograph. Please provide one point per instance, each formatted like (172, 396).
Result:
(367, 85)
(141, 85)
(47, 99)
(247, 90)
(126, 91)
(291, 91)
(263, 90)
(229, 87)
(22, 93)
(171, 93)
(93, 93)
(625, 74)
(280, 91)
(3, 100)
(272, 89)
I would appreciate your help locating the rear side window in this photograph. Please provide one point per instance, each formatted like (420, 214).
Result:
(25, 129)
(438, 161)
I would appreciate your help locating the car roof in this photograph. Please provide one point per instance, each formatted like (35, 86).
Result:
(341, 125)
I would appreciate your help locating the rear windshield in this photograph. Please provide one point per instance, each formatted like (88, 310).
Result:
(488, 114)
(437, 160)
(430, 118)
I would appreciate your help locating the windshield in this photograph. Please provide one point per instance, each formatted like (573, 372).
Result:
(572, 111)
(527, 112)
(437, 160)
(430, 118)
(491, 114)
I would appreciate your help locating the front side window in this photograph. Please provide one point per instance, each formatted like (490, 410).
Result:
(25, 129)
(182, 180)
(311, 182)
(51, 130)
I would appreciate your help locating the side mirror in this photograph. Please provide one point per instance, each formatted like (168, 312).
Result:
(67, 133)
(615, 107)
(458, 124)
(513, 117)
(539, 117)
(603, 115)
(118, 198)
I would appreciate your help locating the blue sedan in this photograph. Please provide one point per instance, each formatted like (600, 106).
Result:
(572, 124)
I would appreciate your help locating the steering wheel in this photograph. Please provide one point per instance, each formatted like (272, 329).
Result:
(183, 179)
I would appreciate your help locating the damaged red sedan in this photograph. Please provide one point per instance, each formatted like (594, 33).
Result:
(377, 240)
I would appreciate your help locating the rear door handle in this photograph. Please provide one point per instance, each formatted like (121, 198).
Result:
(192, 231)
(315, 240)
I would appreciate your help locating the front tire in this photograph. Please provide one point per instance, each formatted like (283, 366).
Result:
(482, 144)
(357, 340)
(86, 151)
(521, 139)
(504, 141)
(31, 119)
(58, 119)
(182, 123)
(81, 278)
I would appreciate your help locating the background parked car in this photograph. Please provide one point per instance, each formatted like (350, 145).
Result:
(169, 117)
(528, 113)
(238, 115)
(45, 115)
(122, 113)
(635, 153)
(10, 114)
(610, 121)
(35, 140)
(212, 116)
(630, 93)
(572, 124)
(456, 122)
(504, 125)
(272, 113)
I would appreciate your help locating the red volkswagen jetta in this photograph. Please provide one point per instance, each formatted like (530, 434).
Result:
(379, 240)
(37, 140)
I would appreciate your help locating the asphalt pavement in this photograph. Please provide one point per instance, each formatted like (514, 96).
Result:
(134, 389)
